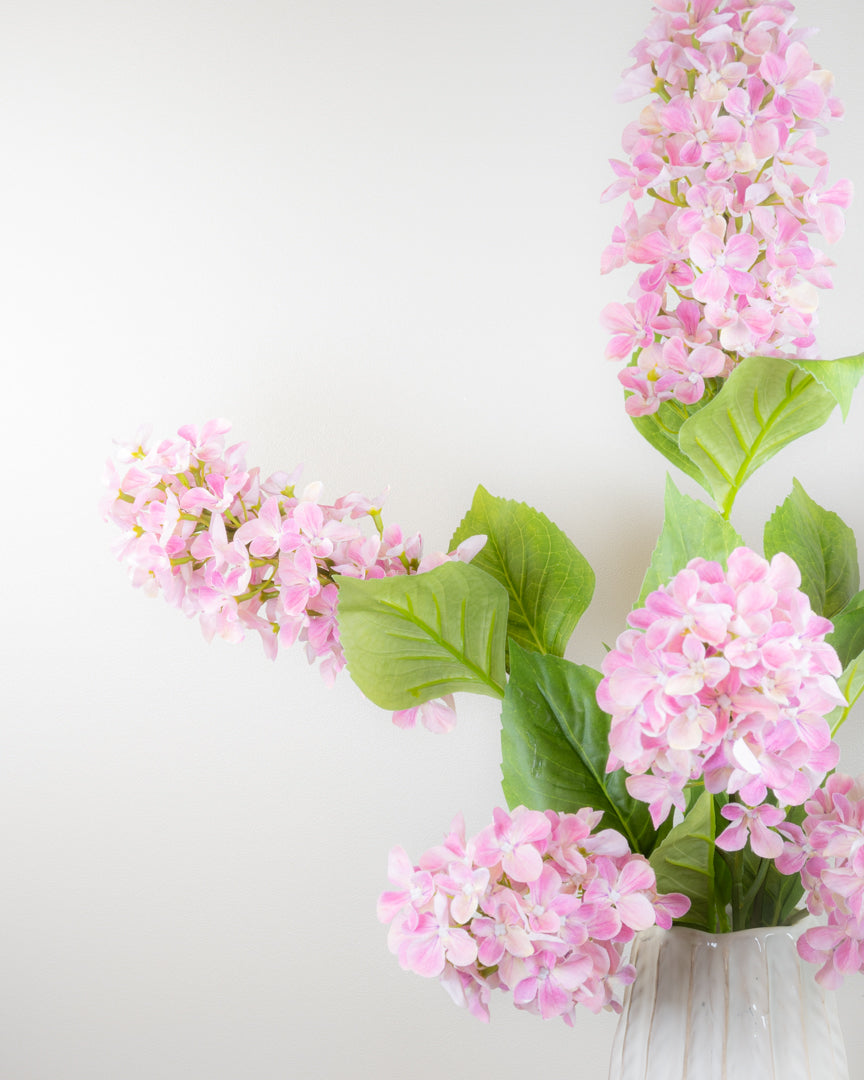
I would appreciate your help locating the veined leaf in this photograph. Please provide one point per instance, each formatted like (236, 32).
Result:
(684, 862)
(766, 403)
(412, 638)
(821, 544)
(555, 744)
(549, 582)
(690, 528)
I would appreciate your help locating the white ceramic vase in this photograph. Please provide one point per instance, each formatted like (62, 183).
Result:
(739, 1006)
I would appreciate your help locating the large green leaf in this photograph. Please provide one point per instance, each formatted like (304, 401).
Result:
(766, 403)
(847, 636)
(690, 528)
(549, 582)
(555, 744)
(684, 862)
(821, 544)
(415, 637)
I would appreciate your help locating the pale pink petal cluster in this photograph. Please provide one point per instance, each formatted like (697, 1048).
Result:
(244, 553)
(721, 214)
(538, 904)
(725, 677)
(828, 852)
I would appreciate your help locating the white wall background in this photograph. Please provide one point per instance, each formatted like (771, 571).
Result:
(367, 231)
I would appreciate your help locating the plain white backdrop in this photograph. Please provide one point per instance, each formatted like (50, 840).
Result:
(368, 232)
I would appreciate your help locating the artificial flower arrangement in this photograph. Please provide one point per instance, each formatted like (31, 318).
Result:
(692, 780)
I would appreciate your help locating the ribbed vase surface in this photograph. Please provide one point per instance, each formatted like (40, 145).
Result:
(739, 1006)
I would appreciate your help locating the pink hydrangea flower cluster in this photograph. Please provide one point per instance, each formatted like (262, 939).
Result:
(537, 903)
(244, 553)
(730, 269)
(828, 852)
(725, 677)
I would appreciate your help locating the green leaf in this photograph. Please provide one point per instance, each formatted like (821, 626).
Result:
(661, 429)
(839, 377)
(821, 544)
(766, 403)
(549, 582)
(555, 744)
(684, 862)
(690, 528)
(415, 637)
(847, 636)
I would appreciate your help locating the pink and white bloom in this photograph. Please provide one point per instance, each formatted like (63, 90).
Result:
(725, 677)
(827, 850)
(551, 929)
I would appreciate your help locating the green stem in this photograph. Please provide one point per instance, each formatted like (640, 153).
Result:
(379, 524)
(256, 590)
(722, 919)
(844, 715)
(660, 198)
(737, 870)
(842, 720)
(750, 895)
(778, 907)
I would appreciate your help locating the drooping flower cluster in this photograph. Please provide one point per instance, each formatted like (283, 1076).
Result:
(536, 903)
(244, 553)
(726, 239)
(725, 677)
(828, 852)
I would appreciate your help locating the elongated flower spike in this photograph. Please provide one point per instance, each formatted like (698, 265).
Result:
(244, 554)
(720, 219)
